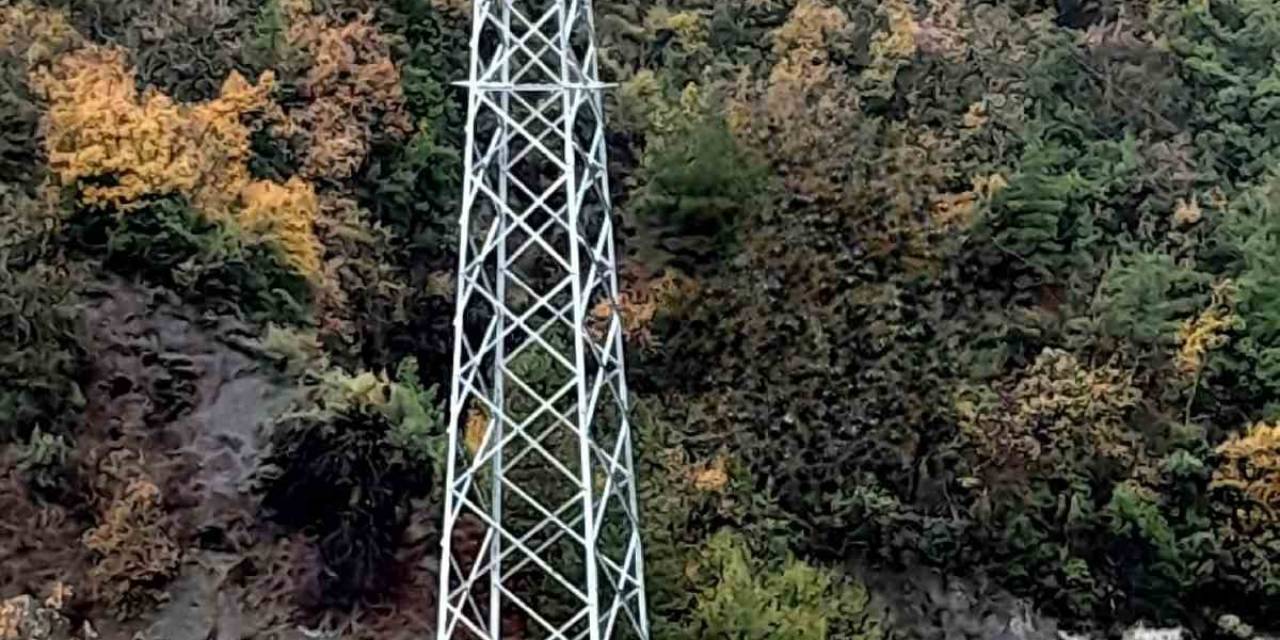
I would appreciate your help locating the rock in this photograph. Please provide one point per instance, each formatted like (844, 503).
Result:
(1143, 633)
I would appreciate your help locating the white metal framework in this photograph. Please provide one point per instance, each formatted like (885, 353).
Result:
(540, 536)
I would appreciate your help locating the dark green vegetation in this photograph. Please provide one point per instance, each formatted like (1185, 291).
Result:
(924, 297)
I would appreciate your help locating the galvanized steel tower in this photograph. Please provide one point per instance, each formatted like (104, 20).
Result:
(540, 520)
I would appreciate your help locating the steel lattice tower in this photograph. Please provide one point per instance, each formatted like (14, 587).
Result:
(540, 535)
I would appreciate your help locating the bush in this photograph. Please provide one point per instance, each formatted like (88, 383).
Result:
(166, 242)
(695, 185)
(343, 466)
(1247, 482)
(136, 553)
(694, 182)
(199, 47)
(43, 460)
(1245, 247)
(742, 598)
(1224, 49)
(41, 349)
(19, 119)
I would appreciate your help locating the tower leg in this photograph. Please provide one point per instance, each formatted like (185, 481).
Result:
(540, 454)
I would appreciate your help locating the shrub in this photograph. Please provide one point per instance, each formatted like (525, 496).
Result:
(695, 184)
(742, 598)
(1042, 451)
(184, 49)
(351, 93)
(1250, 468)
(41, 349)
(1160, 547)
(362, 304)
(43, 460)
(1047, 228)
(1244, 246)
(343, 466)
(26, 618)
(167, 242)
(1224, 49)
(136, 553)
(1245, 484)
(19, 119)
(1058, 417)
(118, 148)
(1144, 297)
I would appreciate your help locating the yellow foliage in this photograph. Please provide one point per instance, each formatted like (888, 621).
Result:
(99, 125)
(807, 29)
(805, 104)
(22, 618)
(804, 64)
(899, 39)
(989, 185)
(295, 9)
(1250, 465)
(1055, 410)
(12, 614)
(644, 107)
(59, 595)
(34, 34)
(689, 27)
(25, 618)
(976, 117)
(476, 428)
(441, 284)
(950, 210)
(96, 126)
(638, 97)
(711, 477)
(1206, 332)
(135, 551)
(953, 209)
(286, 214)
(892, 46)
(1187, 212)
(121, 145)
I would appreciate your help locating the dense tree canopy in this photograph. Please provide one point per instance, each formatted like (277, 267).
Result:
(946, 318)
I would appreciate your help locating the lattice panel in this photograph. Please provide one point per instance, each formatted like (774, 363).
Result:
(540, 456)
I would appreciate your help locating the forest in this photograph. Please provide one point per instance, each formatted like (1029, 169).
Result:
(945, 319)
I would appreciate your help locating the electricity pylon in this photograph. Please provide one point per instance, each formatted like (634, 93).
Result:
(540, 536)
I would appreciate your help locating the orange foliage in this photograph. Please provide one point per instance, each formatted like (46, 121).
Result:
(99, 126)
(711, 477)
(136, 552)
(949, 210)
(25, 618)
(354, 91)
(639, 305)
(476, 428)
